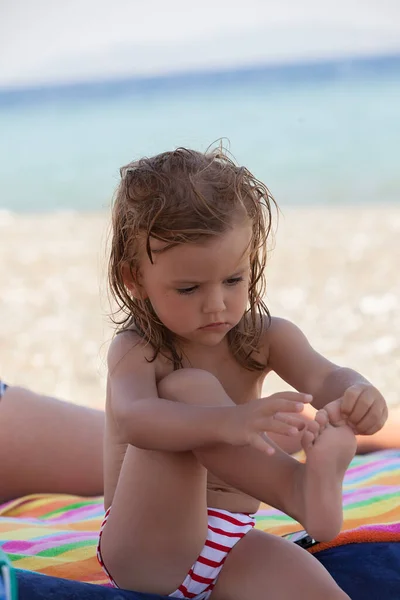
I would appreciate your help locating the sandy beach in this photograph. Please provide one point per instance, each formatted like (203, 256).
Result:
(332, 271)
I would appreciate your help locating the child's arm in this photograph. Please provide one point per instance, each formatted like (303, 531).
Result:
(228, 437)
(147, 421)
(345, 394)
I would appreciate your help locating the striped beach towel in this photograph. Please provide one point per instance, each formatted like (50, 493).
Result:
(57, 535)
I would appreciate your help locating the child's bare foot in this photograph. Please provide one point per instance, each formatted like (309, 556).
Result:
(327, 459)
(333, 448)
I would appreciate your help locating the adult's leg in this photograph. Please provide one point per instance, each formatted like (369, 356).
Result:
(48, 445)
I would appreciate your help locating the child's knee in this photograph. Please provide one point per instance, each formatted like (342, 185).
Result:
(192, 386)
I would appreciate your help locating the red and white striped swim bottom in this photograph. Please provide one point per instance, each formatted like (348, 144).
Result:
(225, 530)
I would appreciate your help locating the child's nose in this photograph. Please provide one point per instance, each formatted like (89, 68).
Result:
(214, 302)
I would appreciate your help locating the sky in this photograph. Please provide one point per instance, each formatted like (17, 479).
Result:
(49, 41)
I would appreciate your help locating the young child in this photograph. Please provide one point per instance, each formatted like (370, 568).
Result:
(189, 450)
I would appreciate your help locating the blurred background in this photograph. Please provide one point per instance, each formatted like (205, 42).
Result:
(306, 95)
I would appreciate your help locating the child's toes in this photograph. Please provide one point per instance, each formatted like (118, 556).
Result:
(322, 418)
(314, 427)
(307, 439)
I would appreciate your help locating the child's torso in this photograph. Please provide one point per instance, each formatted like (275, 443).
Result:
(240, 384)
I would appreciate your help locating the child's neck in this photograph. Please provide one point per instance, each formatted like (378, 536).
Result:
(195, 353)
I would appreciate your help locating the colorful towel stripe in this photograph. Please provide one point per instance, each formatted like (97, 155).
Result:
(57, 535)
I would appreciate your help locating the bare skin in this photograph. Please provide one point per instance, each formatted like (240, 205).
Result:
(388, 438)
(55, 448)
(289, 571)
(166, 430)
(162, 474)
(49, 446)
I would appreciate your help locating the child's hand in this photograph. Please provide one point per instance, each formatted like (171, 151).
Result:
(275, 414)
(362, 407)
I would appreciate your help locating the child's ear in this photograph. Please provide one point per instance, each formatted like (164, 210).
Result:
(132, 282)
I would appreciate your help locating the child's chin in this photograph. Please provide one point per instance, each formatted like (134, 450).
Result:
(205, 337)
(212, 338)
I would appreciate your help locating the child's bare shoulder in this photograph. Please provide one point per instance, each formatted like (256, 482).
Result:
(275, 327)
(129, 353)
(127, 348)
(279, 333)
(278, 327)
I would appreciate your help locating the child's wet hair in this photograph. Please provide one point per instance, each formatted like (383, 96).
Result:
(179, 197)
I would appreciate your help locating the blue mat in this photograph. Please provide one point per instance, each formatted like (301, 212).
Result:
(365, 571)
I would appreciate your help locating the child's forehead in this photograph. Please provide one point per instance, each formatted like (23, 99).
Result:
(225, 252)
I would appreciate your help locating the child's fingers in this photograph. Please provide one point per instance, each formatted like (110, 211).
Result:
(276, 426)
(372, 421)
(360, 409)
(371, 430)
(349, 400)
(262, 443)
(290, 420)
(284, 402)
(333, 410)
(294, 396)
(357, 402)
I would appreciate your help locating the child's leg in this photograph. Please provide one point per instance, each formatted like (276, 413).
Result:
(157, 523)
(266, 567)
(289, 486)
(47, 445)
(158, 520)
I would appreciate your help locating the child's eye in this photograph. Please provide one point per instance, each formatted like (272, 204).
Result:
(234, 280)
(187, 291)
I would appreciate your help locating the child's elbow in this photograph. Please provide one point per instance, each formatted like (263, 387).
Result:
(127, 422)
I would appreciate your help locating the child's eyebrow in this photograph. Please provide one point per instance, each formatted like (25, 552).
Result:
(192, 281)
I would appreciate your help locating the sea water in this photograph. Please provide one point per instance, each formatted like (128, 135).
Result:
(319, 134)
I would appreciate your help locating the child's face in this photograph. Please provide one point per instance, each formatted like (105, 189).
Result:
(200, 291)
